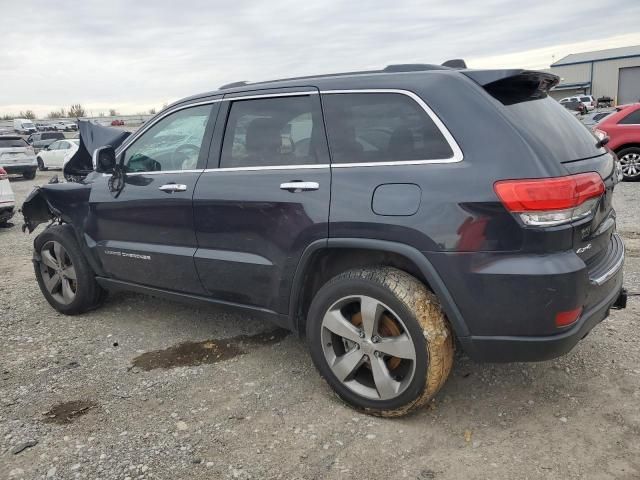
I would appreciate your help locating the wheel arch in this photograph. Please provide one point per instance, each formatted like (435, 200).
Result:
(324, 259)
(626, 145)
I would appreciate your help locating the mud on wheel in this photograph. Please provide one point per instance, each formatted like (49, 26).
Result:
(380, 339)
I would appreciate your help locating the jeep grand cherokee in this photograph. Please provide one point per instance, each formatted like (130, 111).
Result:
(386, 215)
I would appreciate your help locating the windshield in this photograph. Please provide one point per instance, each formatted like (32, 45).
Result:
(28, 125)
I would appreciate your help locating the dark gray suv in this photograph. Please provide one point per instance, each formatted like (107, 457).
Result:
(389, 216)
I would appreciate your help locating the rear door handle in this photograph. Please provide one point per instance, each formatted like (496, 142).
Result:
(299, 186)
(173, 187)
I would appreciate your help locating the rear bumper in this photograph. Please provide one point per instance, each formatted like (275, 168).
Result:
(532, 349)
(509, 302)
(6, 213)
(21, 168)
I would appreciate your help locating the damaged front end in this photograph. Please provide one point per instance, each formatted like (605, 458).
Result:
(56, 202)
(68, 202)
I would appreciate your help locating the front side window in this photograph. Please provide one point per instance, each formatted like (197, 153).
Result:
(381, 127)
(277, 131)
(632, 119)
(171, 144)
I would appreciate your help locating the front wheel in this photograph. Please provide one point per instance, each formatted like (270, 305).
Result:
(63, 273)
(630, 163)
(380, 339)
(41, 166)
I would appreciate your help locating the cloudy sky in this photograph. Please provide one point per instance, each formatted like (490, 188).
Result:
(135, 55)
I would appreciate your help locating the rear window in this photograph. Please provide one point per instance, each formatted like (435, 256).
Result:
(52, 136)
(381, 127)
(554, 129)
(546, 125)
(12, 143)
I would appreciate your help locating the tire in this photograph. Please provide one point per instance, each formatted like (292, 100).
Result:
(41, 166)
(410, 322)
(56, 250)
(630, 163)
(29, 174)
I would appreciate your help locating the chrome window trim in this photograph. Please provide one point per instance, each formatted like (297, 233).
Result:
(269, 167)
(455, 148)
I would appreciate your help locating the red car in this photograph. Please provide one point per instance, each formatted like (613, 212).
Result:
(623, 129)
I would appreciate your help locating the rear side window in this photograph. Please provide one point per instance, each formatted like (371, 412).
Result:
(273, 132)
(381, 127)
(632, 119)
(12, 143)
(52, 136)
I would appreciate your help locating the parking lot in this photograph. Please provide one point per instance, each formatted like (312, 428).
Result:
(145, 388)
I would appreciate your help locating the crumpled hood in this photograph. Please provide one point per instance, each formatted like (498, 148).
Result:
(92, 136)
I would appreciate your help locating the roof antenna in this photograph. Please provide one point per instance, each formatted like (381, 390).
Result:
(455, 63)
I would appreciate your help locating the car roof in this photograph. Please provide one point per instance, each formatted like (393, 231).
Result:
(329, 81)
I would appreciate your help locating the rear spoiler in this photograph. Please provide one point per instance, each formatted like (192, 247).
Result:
(515, 85)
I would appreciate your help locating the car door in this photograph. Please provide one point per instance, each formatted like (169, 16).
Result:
(267, 199)
(58, 153)
(144, 233)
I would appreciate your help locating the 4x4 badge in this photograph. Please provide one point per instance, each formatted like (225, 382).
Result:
(583, 249)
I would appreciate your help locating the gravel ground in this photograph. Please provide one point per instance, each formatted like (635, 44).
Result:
(120, 393)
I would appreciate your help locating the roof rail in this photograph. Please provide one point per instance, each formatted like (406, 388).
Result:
(411, 67)
(455, 63)
(234, 84)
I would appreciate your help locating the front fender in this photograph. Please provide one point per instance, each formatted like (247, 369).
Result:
(66, 202)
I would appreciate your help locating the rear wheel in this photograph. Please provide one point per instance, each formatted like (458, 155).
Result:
(29, 174)
(630, 163)
(380, 339)
(64, 276)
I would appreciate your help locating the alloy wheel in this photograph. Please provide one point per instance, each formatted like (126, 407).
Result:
(58, 273)
(630, 164)
(368, 348)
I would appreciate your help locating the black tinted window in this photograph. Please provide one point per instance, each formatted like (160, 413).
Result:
(52, 135)
(12, 143)
(274, 131)
(381, 127)
(631, 119)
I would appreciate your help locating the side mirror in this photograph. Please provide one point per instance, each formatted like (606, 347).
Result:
(104, 159)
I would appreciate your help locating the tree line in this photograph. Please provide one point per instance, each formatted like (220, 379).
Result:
(74, 111)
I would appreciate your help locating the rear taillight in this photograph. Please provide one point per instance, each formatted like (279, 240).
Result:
(3, 174)
(551, 201)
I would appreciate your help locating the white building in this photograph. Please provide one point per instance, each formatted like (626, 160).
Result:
(611, 73)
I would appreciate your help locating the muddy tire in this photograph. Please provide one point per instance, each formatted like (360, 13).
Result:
(380, 339)
(63, 273)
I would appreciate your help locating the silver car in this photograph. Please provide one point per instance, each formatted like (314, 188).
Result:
(17, 156)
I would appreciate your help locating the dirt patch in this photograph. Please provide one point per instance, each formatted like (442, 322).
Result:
(66, 412)
(209, 351)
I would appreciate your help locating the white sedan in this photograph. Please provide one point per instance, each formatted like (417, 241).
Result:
(57, 154)
(7, 199)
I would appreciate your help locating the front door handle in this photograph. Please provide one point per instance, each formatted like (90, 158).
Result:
(173, 187)
(299, 186)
